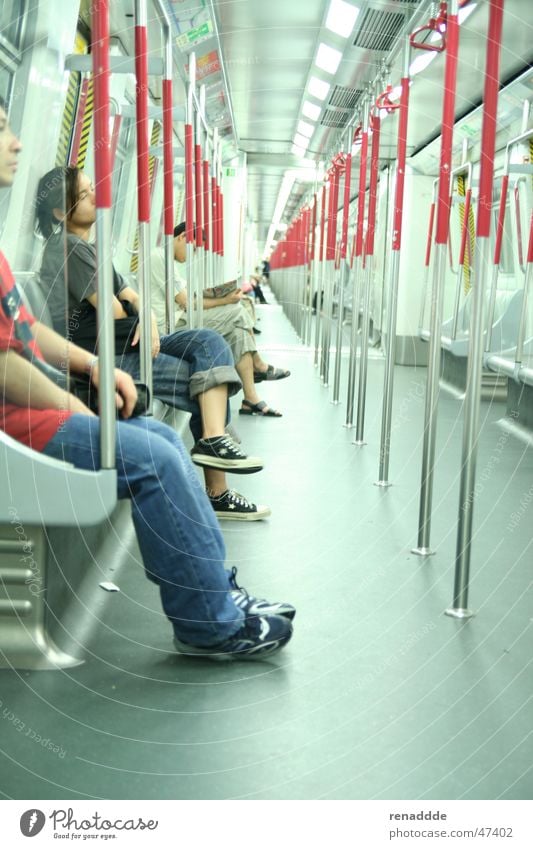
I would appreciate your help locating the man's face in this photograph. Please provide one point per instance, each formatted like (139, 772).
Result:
(180, 248)
(84, 214)
(9, 151)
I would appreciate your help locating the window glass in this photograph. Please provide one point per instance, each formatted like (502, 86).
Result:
(11, 18)
(6, 84)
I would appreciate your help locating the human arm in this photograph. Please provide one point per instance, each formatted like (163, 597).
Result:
(231, 298)
(58, 351)
(23, 384)
(129, 294)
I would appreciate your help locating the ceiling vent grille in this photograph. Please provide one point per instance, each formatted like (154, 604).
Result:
(336, 117)
(378, 30)
(345, 98)
(406, 2)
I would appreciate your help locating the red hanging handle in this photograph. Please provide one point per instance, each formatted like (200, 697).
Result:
(438, 25)
(383, 101)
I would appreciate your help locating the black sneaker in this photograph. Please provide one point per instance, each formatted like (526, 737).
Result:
(231, 505)
(258, 637)
(252, 606)
(221, 452)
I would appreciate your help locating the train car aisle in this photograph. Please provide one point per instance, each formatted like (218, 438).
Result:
(379, 695)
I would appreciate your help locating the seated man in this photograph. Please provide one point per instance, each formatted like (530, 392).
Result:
(202, 389)
(225, 315)
(178, 534)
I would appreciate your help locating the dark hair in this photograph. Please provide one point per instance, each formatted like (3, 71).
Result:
(58, 189)
(3, 103)
(179, 229)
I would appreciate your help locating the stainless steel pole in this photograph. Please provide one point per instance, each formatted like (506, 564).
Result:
(459, 608)
(388, 386)
(437, 293)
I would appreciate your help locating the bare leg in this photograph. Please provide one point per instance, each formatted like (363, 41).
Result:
(213, 409)
(215, 481)
(245, 368)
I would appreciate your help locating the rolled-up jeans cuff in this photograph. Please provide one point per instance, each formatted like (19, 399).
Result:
(201, 381)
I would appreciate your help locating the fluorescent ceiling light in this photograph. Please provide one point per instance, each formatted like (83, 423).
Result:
(310, 110)
(318, 88)
(421, 62)
(305, 129)
(341, 17)
(328, 58)
(301, 141)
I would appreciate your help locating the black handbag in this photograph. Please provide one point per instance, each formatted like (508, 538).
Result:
(85, 331)
(80, 385)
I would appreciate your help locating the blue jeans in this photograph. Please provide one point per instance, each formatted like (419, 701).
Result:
(177, 530)
(190, 362)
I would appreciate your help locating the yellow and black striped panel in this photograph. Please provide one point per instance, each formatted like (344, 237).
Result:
(88, 109)
(68, 122)
(469, 247)
(156, 132)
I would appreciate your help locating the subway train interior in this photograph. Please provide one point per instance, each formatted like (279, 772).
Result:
(362, 170)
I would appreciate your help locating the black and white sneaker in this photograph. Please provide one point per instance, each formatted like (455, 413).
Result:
(252, 606)
(258, 637)
(231, 505)
(221, 452)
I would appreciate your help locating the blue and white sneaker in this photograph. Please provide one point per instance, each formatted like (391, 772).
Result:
(252, 606)
(258, 637)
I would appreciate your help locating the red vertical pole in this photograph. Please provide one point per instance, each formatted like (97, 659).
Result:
(143, 169)
(168, 157)
(189, 184)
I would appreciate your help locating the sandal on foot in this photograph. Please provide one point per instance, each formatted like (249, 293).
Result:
(259, 409)
(272, 373)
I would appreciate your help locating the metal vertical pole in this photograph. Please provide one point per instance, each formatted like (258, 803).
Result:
(143, 190)
(357, 267)
(102, 165)
(344, 273)
(388, 383)
(368, 277)
(437, 292)
(459, 608)
(214, 240)
(320, 270)
(427, 260)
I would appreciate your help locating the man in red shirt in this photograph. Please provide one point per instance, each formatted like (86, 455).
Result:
(177, 531)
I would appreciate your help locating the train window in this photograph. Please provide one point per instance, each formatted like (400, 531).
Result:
(11, 18)
(11, 21)
(123, 160)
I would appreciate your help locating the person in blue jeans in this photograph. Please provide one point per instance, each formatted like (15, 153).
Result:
(193, 371)
(178, 533)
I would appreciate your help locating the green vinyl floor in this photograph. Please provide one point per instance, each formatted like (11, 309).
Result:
(379, 694)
